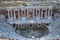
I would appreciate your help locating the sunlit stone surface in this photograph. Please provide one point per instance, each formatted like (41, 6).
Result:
(8, 31)
(54, 28)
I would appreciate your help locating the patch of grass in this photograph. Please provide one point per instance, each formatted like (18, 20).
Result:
(41, 28)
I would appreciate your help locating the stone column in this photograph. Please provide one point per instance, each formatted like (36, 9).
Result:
(24, 13)
(49, 15)
(27, 13)
(21, 14)
(51, 12)
(8, 15)
(33, 13)
(11, 15)
(18, 14)
(14, 15)
(51, 7)
(39, 12)
(42, 13)
(46, 13)
(36, 11)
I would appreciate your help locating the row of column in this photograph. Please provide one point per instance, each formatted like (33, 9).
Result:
(40, 14)
(36, 25)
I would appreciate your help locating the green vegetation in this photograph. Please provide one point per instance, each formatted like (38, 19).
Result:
(41, 28)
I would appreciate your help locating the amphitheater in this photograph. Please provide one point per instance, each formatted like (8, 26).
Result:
(29, 20)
